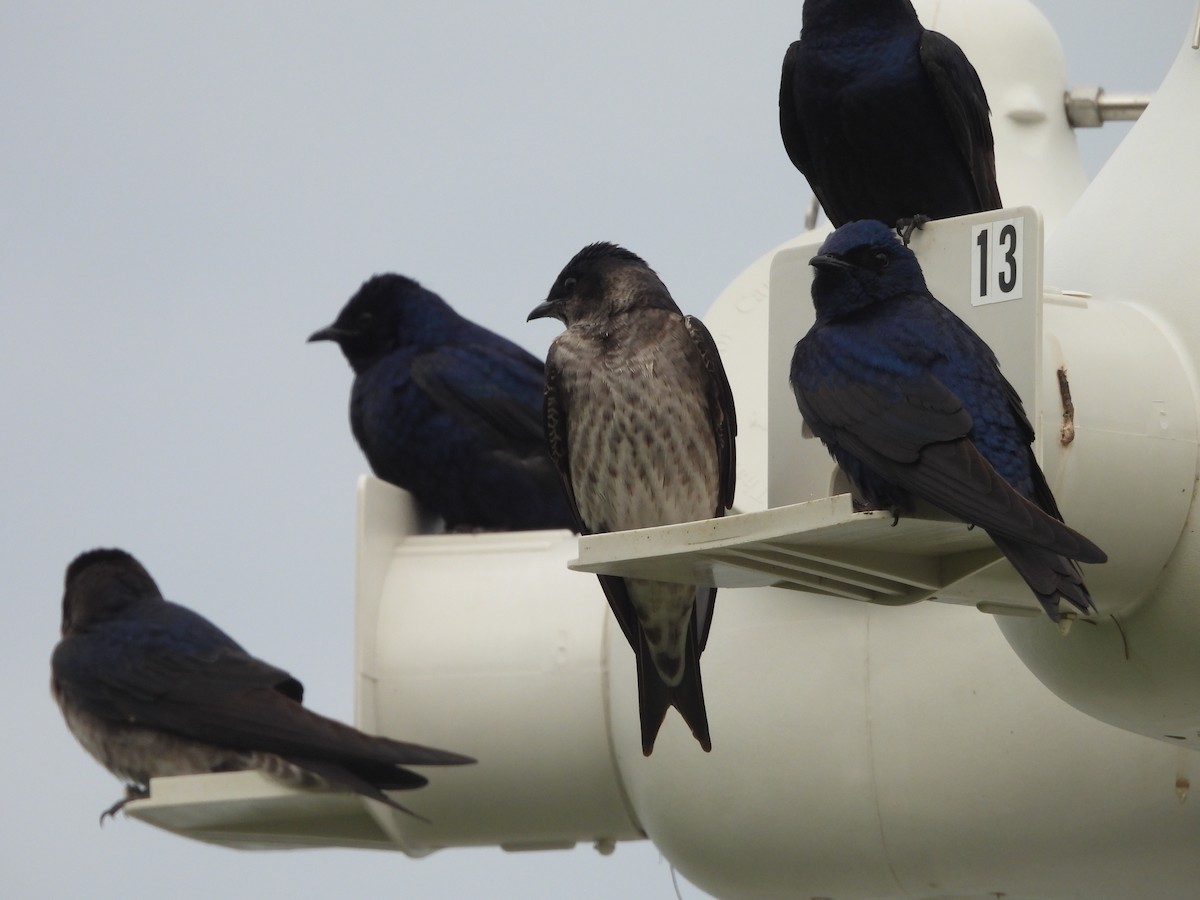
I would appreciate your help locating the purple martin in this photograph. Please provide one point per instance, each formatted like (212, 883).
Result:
(911, 404)
(447, 410)
(886, 119)
(640, 422)
(151, 689)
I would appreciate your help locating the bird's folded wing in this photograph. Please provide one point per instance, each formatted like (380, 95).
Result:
(619, 601)
(140, 675)
(895, 422)
(1041, 495)
(721, 408)
(222, 696)
(706, 604)
(964, 101)
(956, 477)
(791, 129)
(915, 436)
(621, 605)
(262, 719)
(556, 429)
(489, 389)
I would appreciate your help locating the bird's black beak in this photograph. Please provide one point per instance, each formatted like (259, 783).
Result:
(328, 333)
(826, 261)
(547, 309)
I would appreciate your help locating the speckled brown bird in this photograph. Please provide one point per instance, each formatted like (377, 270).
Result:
(151, 689)
(640, 422)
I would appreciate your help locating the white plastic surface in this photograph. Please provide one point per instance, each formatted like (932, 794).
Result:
(859, 751)
(250, 811)
(486, 644)
(1130, 243)
(862, 751)
(820, 546)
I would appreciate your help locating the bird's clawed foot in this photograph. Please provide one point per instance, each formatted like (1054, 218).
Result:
(132, 792)
(905, 227)
(859, 506)
(469, 529)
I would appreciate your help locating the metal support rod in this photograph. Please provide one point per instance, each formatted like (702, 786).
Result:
(811, 214)
(1091, 107)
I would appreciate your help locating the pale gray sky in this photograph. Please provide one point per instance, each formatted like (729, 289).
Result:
(190, 189)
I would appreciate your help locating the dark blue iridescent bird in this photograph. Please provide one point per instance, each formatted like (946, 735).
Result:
(912, 405)
(151, 689)
(886, 119)
(448, 410)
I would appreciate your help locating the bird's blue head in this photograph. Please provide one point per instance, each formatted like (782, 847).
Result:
(387, 312)
(857, 13)
(100, 584)
(862, 263)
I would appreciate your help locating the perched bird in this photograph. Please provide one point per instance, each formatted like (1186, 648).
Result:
(640, 422)
(886, 119)
(152, 689)
(912, 405)
(447, 410)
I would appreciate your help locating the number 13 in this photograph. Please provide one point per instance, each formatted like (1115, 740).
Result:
(996, 261)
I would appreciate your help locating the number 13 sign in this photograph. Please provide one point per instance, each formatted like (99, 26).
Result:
(996, 261)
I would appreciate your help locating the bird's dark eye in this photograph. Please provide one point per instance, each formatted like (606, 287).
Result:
(365, 319)
(569, 283)
(869, 258)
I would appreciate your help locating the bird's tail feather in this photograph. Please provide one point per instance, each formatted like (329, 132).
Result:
(1048, 574)
(706, 602)
(655, 695)
(335, 775)
(294, 731)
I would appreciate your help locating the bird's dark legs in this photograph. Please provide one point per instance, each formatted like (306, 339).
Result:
(132, 792)
(905, 227)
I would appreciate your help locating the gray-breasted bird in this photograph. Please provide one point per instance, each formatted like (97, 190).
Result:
(151, 689)
(911, 404)
(886, 119)
(640, 422)
(447, 410)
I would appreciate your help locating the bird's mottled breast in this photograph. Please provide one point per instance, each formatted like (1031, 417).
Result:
(643, 449)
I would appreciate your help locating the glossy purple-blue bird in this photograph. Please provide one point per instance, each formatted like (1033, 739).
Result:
(912, 405)
(447, 410)
(640, 422)
(886, 119)
(151, 689)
